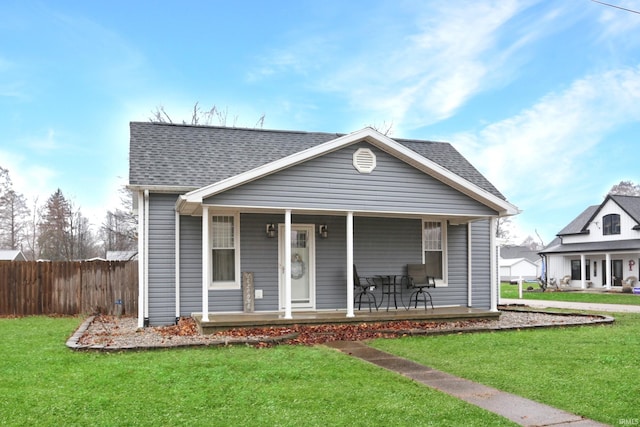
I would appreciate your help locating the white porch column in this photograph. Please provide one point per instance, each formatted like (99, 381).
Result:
(350, 265)
(206, 264)
(287, 265)
(607, 272)
(495, 277)
(583, 272)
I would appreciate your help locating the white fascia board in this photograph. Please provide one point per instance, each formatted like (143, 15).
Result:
(372, 137)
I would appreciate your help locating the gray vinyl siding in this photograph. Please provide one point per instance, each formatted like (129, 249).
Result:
(481, 264)
(382, 246)
(260, 256)
(456, 291)
(190, 265)
(331, 182)
(161, 277)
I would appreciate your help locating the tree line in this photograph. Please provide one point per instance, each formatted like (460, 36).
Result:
(57, 230)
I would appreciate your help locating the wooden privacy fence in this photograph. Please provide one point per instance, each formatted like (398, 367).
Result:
(74, 287)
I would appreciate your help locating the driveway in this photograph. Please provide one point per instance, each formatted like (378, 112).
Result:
(587, 306)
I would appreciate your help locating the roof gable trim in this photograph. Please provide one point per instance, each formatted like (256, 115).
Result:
(372, 137)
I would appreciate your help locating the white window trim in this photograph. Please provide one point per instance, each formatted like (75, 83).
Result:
(227, 285)
(444, 282)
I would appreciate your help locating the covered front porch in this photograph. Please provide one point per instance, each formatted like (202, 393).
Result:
(220, 321)
(605, 270)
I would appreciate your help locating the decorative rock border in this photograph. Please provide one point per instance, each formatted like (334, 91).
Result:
(73, 342)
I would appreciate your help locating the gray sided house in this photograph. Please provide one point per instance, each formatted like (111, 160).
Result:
(216, 203)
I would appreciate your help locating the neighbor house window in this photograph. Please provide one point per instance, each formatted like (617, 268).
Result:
(575, 270)
(433, 242)
(224, 250)
(611, 224)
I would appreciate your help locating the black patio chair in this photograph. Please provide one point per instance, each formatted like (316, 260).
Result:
(363, 289)
(420, 281)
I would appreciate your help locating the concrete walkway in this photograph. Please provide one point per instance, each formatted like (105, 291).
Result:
(613, 308)
(517, 409)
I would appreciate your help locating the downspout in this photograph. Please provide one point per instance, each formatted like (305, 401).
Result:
(469, 267)
(177, 262)
(494, 265)
(143, 260)
(146, 256)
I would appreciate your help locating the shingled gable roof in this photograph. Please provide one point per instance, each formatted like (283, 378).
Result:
(183, 156)
(629, 204)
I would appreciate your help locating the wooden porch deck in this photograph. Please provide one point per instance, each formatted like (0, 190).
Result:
(219, 322)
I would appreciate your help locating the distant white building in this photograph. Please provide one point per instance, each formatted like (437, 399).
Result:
(514, 268)
(122, 255)
(12, 255)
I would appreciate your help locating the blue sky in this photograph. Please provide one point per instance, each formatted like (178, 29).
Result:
(543, 97)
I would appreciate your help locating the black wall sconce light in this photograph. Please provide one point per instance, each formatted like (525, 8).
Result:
(271, 230)
(323, 231)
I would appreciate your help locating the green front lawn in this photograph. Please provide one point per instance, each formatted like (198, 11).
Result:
(511, 291)
(591, 371)
(43, 383)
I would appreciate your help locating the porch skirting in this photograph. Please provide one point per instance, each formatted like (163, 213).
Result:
(220, 322)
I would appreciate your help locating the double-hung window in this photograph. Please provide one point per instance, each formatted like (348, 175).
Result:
(224, 248)
(434, 245)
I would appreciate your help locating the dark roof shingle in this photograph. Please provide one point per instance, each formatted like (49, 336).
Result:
(162, 154)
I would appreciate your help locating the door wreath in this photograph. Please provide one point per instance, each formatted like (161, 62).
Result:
(297, 266)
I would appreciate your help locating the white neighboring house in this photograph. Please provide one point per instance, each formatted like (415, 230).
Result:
(12, 255)
(122, 255)
(600, 248)
(512, 269)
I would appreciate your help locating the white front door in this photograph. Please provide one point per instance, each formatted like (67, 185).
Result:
(303, 266)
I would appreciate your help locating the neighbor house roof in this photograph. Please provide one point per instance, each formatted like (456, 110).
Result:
(579, 224)
(122, 255)
(191, 157)
(11, 255)
(510, 262)
(629, 204)
(511, 252)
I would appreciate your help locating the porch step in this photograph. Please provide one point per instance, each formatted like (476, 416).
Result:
(221, 322)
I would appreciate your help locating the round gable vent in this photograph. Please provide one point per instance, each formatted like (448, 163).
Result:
(364, 160)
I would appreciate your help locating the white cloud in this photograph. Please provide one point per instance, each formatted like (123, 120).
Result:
(453, 51)
(32, 181)
(550, 153)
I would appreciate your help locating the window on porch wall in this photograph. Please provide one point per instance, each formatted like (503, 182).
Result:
(433, 237)
(575, 269)
(223, 249)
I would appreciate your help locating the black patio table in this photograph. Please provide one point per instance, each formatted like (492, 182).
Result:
(391, 287)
